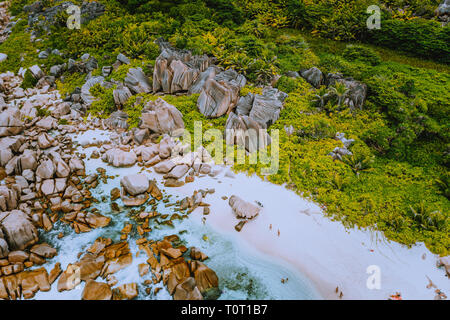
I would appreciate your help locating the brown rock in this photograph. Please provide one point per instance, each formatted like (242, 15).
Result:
(172, 253)
(196, 254)
(154, 191)
(55, 273)
(116, 264)
(96, 220)
(96, 291)
(115, 194)
(33, 281)
(44, 250)
(144, 268)
(37, 260)
(178, 273)
(17, 256)
(127, 291)
(173, 183)
(187, 290)
(205, 277)
(240, 225)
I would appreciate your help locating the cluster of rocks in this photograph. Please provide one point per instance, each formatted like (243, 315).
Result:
(243, 210)
(27, 283)
(184, 280)
(357, 91)
(339, 152)
(254, 113)
(195, 201)
(41, 179)
(40, 17)
(179, 71)
(102, 259)
(136, 190)
(160, 117)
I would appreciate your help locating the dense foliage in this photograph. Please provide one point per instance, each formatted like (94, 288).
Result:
(397, 180)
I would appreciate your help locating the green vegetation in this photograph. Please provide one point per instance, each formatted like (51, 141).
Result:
(397, 180)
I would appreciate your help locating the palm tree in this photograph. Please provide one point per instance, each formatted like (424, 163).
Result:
(425, 219)
(340, 90)
(321, 96)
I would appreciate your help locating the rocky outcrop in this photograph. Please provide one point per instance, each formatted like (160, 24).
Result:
(177, 70)
(117, 120)
(10, 123)
(137, 81)
(119, 158)
(243, 209)
(247, 126)
(96, 291)
(205, 278)
(357, 91)
(263, 108)
(187, 290)
(85, 89)
(220, 94)
(161, 117)
(18, 230)
(313, 76)
(241, 130)
(103, 258)
(121, 95)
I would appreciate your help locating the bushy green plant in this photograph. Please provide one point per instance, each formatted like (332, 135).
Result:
(420, 37)
(361, 53)
(29, 81)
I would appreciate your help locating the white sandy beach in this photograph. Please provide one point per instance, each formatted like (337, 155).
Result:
(323, 250)
(320, 249)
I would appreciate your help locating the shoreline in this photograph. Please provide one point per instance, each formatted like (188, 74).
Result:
(322, 250)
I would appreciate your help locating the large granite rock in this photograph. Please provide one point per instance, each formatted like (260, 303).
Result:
(314, 76)
(85, 89)
(18, 230)
(137, 81)
(10, 122)
(161, 117)
(135, 184)
(119, 158)
(243, 131)
(96, 291)
(9, 198)
(220, 94)
(117, 120)
(263, 108)
(121, 95)
(243, 209)
(177, 70)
